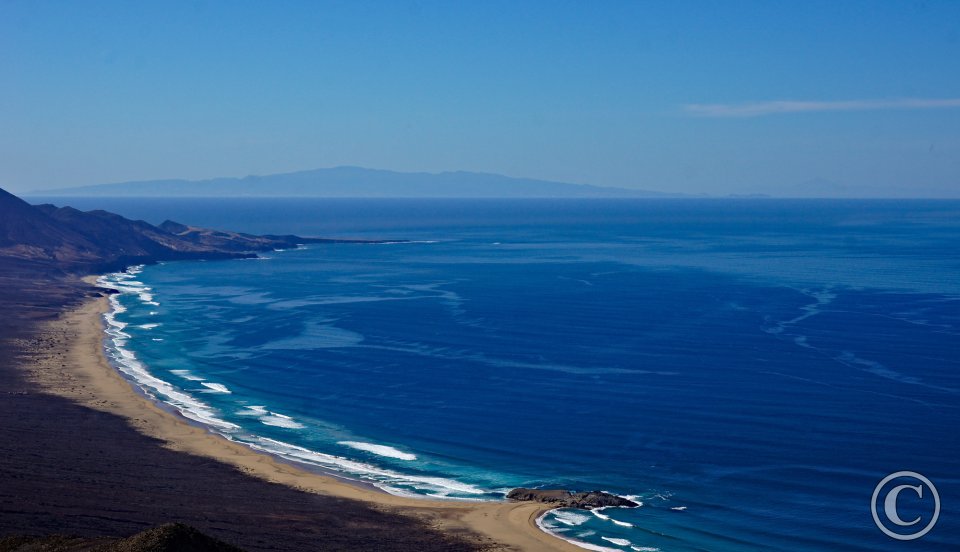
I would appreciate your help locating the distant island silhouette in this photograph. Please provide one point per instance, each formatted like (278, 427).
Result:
(356, 182)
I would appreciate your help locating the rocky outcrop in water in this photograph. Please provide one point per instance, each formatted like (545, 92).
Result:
(568, 499)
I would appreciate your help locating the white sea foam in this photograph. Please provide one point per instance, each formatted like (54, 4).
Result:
(278, 420)
(597, 512)
(385, 479)
(186, 404)
(126, 361)
(148, 326)
(271, 418)
(585, 545)
(645, 548)
(679, 508)
(124, 283)
(380, 450)
(568, 517)
(186, 374)
(113, 322)
(618, 542)
(215, 387)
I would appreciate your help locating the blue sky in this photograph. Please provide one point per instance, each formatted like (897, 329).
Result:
(697, 97)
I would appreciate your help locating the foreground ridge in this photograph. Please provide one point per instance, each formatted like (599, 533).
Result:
(170, 537)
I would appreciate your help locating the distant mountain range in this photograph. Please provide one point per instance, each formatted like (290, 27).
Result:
(355, 182)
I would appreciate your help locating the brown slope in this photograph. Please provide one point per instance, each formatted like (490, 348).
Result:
(117, 236)
(229, 241)
(65, 240)
(29, 234)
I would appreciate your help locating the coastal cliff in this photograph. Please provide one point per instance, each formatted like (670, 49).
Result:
(68, 241)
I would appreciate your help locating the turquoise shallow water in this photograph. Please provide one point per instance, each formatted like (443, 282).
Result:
(747, 370)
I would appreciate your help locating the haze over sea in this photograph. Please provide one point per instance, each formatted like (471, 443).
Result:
(748, 370)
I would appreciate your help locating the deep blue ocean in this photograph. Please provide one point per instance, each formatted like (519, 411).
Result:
(749, 370)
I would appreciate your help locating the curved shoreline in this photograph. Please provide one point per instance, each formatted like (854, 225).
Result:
(88, 378)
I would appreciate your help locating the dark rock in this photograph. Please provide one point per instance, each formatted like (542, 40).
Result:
(568, 499)
(172, 537)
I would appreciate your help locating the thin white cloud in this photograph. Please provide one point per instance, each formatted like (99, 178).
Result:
(759, 109)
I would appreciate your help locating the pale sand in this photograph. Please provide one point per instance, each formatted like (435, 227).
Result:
(83, 374)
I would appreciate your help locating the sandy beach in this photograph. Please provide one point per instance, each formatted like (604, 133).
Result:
(77, 369)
